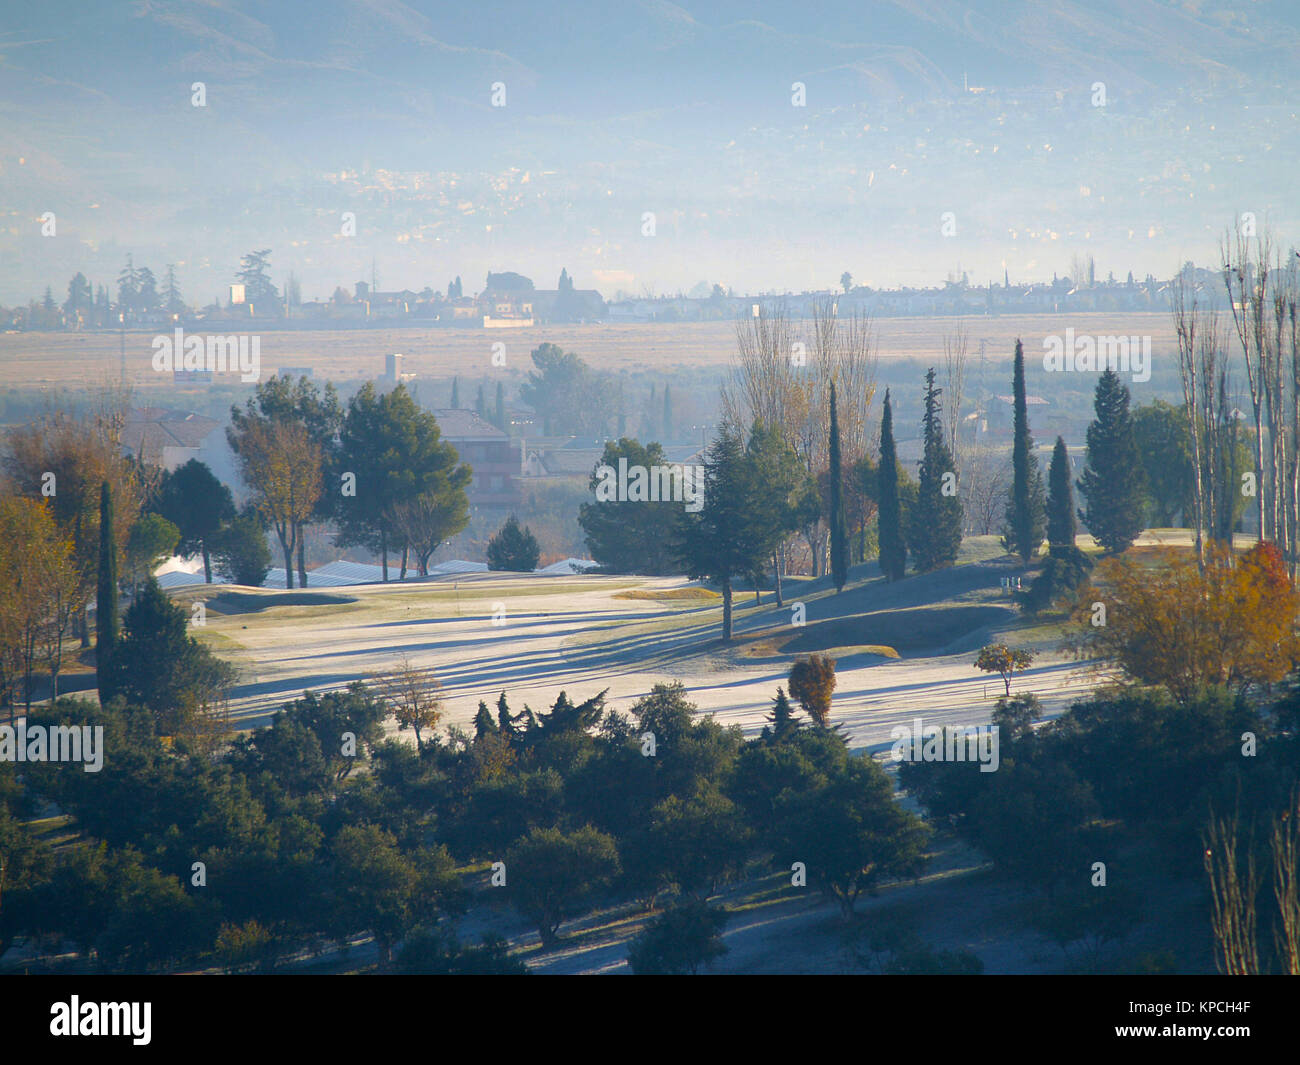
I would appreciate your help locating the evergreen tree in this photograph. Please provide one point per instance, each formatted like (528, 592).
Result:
(729, 538)
(668, 414)
(1060, 499)
(480, 404)
(1025, 516)
(455, 393)
(934, 528)
(193, 500)
(889, 516)
(501, 409)
(483, 723)
(106, 629)
(255, 275)
(627, 535)
(173, 303)
(1112, 479)
(782, 718)
(505, 719)
(241, 551)
(838, 522)
(157, 664)
(513, 548)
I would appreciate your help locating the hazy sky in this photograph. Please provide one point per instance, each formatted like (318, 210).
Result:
(612, 110)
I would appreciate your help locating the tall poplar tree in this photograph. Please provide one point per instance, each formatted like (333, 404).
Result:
(1025, 516)
(889, 514)
(934, 528)
(839, 524)
(1112, 480)
(106, 623)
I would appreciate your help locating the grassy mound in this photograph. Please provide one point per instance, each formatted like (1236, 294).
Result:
(915, 629)
(252, 602)
(668, 595)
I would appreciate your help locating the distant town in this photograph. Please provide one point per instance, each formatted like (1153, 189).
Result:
(509, 300)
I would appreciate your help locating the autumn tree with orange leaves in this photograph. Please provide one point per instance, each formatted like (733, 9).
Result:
(1172, 624)
(812, 680)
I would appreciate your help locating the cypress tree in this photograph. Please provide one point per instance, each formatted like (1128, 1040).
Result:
(934, 531)
(455, 393)
(501, 408)
(889, 517)
(1112, 479)
(839, 524)
(1025, 517)
(106, 621)
(480, 404)
(1060, 499)
(668, 414)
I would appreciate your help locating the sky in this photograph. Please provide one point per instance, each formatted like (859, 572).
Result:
(927, 139)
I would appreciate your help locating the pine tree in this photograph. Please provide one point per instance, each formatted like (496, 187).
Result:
(934, 529)
(505, 719)
(1112, 479)
(889, 515)
(731, 538)
(455, 393)
(106, 623)
(513, 548)
(839, 524)
(782, 718)
(501, 408)
(1060, 499)
(1025, 516)
(483, 723)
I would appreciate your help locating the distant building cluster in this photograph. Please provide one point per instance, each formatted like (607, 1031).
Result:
(511, 301)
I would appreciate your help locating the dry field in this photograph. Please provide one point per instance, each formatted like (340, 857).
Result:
(85, 359)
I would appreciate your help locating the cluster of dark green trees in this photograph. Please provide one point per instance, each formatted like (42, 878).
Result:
(757, 493)
(246, 855)
(1132, 780)
(923, 522)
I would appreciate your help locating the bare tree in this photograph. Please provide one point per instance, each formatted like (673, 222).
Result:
(763, 383)
(1246, 277)
(415, 696)
(1233, 887)
(988, 481)
(1188, 318)
(779, 381)
(842, 351)
(1286, 884)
